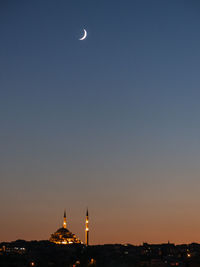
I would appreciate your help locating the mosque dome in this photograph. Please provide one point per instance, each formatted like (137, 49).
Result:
(64, 236)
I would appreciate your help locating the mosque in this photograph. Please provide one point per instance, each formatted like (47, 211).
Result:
(65, 237)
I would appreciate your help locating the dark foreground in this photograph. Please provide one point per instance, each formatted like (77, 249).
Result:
(43, 254)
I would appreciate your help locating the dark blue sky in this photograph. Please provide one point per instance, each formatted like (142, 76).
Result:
(111, 122)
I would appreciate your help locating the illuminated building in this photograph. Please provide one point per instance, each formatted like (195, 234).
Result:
(87, 229)
(64, 236)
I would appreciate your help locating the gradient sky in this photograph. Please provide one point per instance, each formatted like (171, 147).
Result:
(112, 122)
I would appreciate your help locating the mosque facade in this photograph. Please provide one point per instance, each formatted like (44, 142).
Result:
(65, 237)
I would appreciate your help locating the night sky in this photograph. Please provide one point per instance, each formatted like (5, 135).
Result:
(111, 123)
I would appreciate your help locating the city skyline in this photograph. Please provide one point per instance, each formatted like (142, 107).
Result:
(110, 122)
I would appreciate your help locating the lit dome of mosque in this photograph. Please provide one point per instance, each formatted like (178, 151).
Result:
(64, 236)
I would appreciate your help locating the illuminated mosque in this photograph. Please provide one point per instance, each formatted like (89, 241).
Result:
(65, 237)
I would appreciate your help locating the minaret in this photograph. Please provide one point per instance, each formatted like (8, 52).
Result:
(87, 229)
(65, 221)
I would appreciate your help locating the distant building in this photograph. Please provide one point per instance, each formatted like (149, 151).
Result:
(87, 229)
(64, 236)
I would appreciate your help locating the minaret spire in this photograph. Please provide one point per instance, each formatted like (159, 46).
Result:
(65, 220)
(87, 228)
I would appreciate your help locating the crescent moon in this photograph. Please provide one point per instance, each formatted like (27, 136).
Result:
(84, 35)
